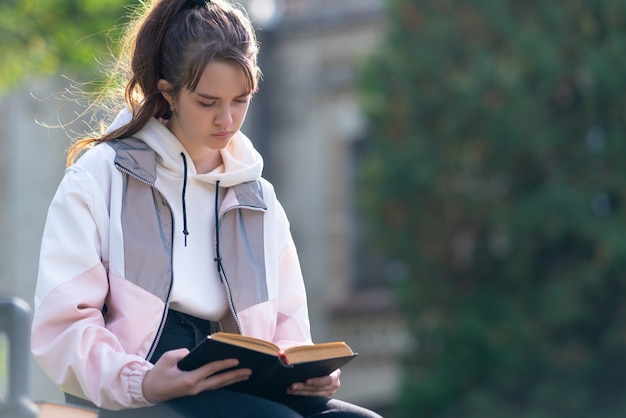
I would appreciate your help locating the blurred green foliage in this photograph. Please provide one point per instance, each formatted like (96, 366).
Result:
(48, 37)
(496, 174)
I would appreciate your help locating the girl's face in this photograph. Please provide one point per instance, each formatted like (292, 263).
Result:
(206, 119)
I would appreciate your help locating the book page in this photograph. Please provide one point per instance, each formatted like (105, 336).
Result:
(251, 343)
(304, 353)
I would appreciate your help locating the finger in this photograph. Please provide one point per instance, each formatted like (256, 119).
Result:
(320, 381)
(323, 383)
(221, 380)
(298, 387)
(215, 367)
(173, 356)
(312, 390)
(328, 393)
(330, 380)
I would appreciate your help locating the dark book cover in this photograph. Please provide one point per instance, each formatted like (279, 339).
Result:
(271, 375)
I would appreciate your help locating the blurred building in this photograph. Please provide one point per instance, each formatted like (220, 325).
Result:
(307, 124)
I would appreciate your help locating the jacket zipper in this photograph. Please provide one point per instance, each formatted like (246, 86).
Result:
(223, 277)
(169, 291)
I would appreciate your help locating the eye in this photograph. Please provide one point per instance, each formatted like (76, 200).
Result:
(204, 104)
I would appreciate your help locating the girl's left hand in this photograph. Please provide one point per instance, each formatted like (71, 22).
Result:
(325, 386)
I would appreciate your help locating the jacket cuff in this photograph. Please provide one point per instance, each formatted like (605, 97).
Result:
(135, 377)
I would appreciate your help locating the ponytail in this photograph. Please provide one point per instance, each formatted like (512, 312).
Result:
(175, 40)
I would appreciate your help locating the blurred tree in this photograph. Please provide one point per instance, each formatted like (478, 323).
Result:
(45, 37)
(496, 174)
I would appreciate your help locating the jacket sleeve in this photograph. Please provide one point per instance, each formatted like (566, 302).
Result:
(69, 337)
(292, 325)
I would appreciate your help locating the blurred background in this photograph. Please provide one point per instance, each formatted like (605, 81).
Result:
(453, 172)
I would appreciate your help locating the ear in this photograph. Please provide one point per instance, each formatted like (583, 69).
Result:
(165, 87)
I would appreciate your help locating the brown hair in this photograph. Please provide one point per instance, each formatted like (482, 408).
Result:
(175, 40)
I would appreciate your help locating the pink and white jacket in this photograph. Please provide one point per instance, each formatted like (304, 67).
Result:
(105, 271)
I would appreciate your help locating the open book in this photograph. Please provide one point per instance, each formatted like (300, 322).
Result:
(273, 370)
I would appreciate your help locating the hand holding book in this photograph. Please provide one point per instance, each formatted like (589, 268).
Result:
(273, 370)
(325, 386)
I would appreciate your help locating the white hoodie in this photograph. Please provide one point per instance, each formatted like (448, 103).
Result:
(197, 289)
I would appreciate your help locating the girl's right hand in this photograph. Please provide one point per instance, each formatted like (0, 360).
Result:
(166, 381)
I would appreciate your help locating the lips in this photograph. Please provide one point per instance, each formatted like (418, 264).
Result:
(222, 135)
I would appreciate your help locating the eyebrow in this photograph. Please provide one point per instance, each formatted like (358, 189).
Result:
(209, 97)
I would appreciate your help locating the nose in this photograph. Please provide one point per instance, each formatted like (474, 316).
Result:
(224, 116)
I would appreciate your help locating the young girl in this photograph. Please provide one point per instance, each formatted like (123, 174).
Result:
(163, 231)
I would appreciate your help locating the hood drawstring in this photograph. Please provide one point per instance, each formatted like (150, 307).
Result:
(218, 256)
(185, 231)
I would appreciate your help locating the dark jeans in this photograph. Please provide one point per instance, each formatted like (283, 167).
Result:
(182, 330)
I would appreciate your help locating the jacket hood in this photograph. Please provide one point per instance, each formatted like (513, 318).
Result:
(241, 161)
